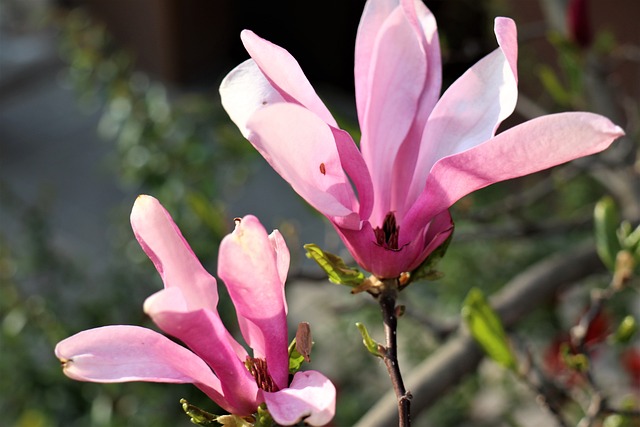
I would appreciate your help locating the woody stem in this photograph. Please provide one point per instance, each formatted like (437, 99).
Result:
(387, 301)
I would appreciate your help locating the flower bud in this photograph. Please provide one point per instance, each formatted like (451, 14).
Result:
(578, 23)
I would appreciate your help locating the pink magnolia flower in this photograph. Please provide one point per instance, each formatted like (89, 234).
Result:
(253, 266)
(419, 152)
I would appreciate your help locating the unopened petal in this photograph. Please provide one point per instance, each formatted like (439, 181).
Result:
(310, 397)
(178, 266)
(373, 17)
(283, 259)
(248, 265)
(395, 83)
(425, 27)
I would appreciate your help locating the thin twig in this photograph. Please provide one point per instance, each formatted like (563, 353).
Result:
(387, 301)
(593, 411)
(548, 395)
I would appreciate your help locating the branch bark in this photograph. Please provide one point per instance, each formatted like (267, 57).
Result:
(387, 300)
(460, 355)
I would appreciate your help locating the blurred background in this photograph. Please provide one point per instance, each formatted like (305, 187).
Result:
(101, 100)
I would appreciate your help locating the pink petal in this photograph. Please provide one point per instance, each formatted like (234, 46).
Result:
(310, 397)
(130, 353)
(244, 91)
(437, 232)
(471, 109)
(285, 75)
(178, 266)
(424, 25)
(248, 266)
(354, 166)
(530, 147)
(283, 258)
(302, 149)
(373, 17)
(413, 249)
(396, 80)
(426, 30)
(204, 333)
(376, 259)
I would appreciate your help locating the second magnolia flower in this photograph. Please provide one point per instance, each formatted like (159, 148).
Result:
(254, 267)
(419, 152)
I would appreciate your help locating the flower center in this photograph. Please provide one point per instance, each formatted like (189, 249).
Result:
(258, 368)
(387, 235)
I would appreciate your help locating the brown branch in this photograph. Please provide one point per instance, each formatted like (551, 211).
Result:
(387, 301)
(460, 355)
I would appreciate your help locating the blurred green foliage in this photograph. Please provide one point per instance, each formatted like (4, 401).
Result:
(178, 146)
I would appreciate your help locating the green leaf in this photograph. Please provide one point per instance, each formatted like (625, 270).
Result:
(334, 266)
(234, 421)
(579, 362)
(371, 345)
(199, 416)
(486, 327)
(626, 330)
(263, 418)
(295, 358)
(606, 223)
(629, 238)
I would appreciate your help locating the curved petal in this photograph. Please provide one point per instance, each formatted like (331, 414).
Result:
(471, 109)
(205, 334)
(310, 397)
(426, 29)
(178, 266)
(244, 91)
(354, 166)
(373, 17)
(524, 149)
(285, 75)
(283, 259)
(302, 149)
(437, 232)
(248, 266)
(396, 80)
(130, 353)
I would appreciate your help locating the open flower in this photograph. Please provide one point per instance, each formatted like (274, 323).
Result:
(419, 152)
(253, 266)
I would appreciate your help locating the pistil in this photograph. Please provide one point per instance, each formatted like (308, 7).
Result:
(387, 235)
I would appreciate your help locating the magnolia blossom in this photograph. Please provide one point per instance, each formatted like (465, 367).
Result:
(419, 153)
(253, 266)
